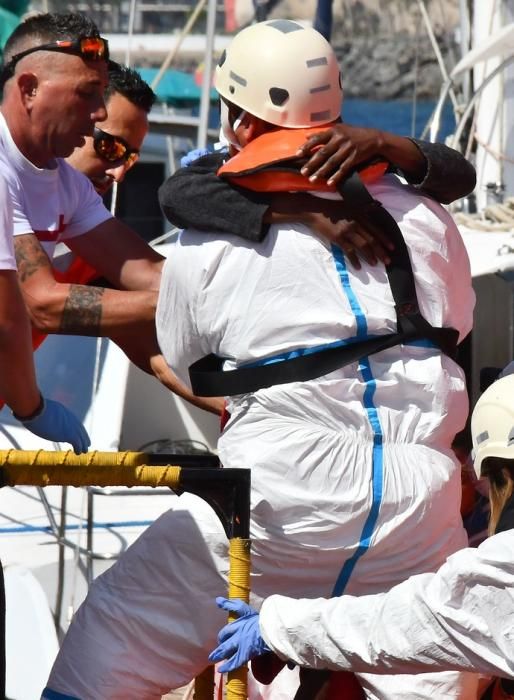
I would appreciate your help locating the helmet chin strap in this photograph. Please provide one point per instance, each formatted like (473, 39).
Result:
(228, 131)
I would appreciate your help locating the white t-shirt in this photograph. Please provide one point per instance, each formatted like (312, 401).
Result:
(7, 261)
(54, 203)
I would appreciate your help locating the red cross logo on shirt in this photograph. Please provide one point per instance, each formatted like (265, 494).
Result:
(46, 236)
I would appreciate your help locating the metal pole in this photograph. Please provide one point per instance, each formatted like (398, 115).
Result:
(171, 56)
(437, 52)
(465, 45)
(132, 17)
(205, 100)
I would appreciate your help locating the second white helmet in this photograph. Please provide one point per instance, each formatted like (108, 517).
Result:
(492, 423)
(283, 73)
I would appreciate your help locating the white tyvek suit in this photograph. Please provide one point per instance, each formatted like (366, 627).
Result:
(460, 617)
(353, 477)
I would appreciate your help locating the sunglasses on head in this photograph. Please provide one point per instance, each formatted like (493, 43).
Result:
(90, 48)
(113, 149)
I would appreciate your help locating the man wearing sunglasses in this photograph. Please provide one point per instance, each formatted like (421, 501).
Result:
(114, 148)
(54, 78)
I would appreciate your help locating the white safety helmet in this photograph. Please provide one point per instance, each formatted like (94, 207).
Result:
(283, 73)
(492, 423)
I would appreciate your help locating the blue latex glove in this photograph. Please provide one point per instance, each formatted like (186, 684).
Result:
(55, 422)
(240, 640)
(193, 155)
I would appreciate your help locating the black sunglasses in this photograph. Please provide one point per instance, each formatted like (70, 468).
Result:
(90, 48)
(113, 149)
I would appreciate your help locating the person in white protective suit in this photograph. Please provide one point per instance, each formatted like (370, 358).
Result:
(460, 617)
(354, 483)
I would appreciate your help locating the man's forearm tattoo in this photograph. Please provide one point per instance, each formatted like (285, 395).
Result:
(82, 311)
(30, 257)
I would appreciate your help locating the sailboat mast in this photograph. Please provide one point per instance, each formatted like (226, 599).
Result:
(495, 113)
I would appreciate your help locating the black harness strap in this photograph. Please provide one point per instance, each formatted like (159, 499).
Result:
(208, 378)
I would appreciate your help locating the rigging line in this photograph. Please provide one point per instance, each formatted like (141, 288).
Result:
(59, 595)
(476, 98)
(173, 52)
(497, 155)
(446, 31)
(76, 557)
(437, 52)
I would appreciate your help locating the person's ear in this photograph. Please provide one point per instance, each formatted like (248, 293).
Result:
(251, 127)
(28, 85)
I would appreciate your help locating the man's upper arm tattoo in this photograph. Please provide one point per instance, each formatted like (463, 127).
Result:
(30, 256)
(82, 313)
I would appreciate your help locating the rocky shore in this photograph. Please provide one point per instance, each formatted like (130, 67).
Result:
(392, 67)
(383, 45)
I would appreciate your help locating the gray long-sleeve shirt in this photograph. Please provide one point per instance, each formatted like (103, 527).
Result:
(195, 197)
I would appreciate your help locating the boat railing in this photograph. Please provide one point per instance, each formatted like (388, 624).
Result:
(227, 491)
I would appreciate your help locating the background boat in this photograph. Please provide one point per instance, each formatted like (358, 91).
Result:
(480, 89)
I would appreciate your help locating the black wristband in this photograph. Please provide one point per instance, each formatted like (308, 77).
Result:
(34, 414)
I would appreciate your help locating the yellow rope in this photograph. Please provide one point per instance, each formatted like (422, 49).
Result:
(42, 468)
(48, 458)
(239, 575)
(92, 476)
(238, 587)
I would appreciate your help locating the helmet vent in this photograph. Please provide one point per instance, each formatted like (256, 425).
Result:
(278, 96)
(315, 62)
(238, 79)
(285, 25)
(510, 439)
(321, 116)
(320, 88)
(482, 437)
(223, 58)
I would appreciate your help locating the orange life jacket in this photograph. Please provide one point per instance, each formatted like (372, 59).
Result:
(270, 163)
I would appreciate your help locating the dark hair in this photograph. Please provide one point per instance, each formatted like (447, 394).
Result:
(500, 472)
(130, 84)
(45, 28)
